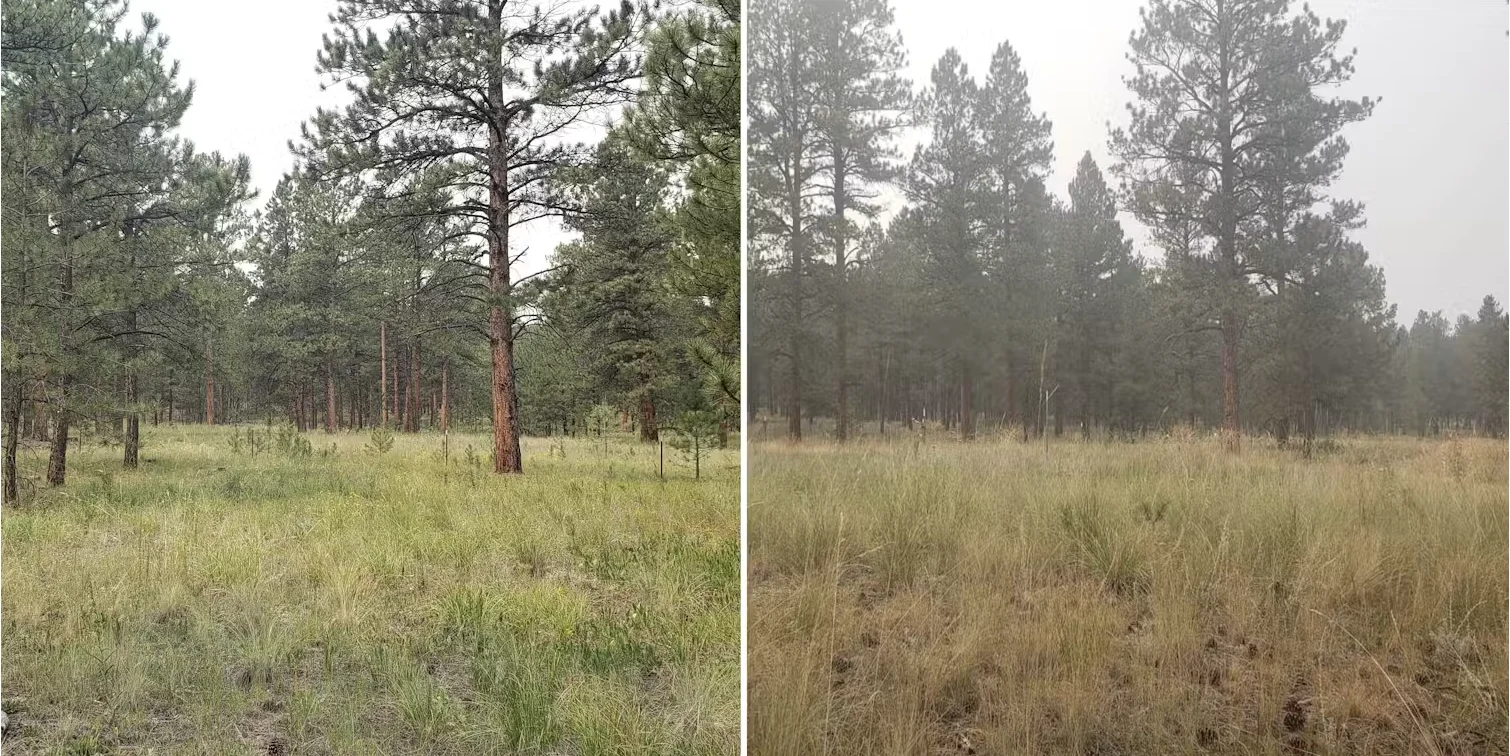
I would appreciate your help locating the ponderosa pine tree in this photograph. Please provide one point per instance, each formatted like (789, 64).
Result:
(945, 181)
(1328, 334)
(1492, 366)
(98, 164)
(688, 114)
(480, 90)
(862, 97)
(1221, 91)
(185, 222)
(784, 171)
(1017, 149)
(614, 282)
(1096, 274)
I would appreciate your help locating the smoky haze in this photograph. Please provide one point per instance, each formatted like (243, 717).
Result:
(1429, 165)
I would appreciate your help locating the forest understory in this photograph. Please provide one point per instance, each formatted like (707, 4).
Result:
(932, 597)
(373, 593)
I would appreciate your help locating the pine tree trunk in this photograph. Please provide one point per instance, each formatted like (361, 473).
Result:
(445, 396)
(209, 382)
(133, 421)
(506, 452)
(13, 413)
(57, 458)
(1231, 424)
(794, 410)
(841, 307)
(39, 411)
(331, 417)
(133, 395)
(383, 372)
(966, 402)
(648, 430)
(412, 396)
(1191, 385)
(407, 407)
(1227, 252)
(907, 406)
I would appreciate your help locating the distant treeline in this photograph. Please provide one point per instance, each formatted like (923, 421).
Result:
(378, 285)
(988, 301)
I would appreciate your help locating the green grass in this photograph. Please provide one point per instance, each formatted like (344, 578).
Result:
(932, 597)
(404, 602)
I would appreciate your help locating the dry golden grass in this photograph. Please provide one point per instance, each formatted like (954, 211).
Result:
(1148, 598)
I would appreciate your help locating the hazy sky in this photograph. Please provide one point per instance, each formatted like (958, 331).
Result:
(253, 66)
(1430, 165)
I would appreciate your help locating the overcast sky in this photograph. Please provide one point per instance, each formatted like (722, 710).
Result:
(253, 66)
(1430, 165)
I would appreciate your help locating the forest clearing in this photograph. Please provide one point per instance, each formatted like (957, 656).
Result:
(345, 599)
(355, 448)
(997, 597)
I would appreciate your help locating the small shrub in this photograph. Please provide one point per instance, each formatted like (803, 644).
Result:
(256, 443)
(600, 422)
(695, 435)
(252, 443)
(291, 443)
(381, 440)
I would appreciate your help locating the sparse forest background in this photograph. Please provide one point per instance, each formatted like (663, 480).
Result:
(985, 301)
(144, 285)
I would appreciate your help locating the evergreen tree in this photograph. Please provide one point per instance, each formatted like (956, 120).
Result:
(862, 96)
(1228, 100)
(479, 92)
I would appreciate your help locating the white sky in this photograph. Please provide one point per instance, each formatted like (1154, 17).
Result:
(1430, 165)
(253, 66)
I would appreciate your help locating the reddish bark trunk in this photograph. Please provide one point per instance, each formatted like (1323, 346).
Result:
(506, 453)
(649, 431)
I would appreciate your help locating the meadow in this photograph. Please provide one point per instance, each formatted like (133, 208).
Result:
(925, 596)
(232, 597)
